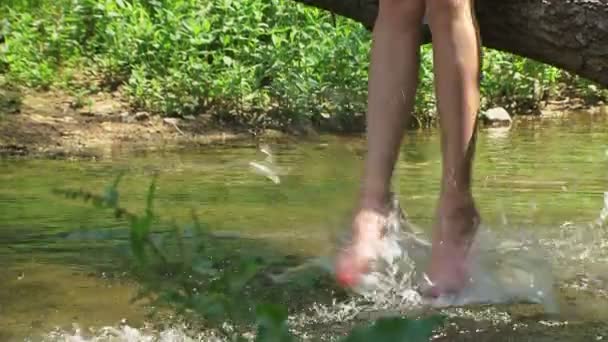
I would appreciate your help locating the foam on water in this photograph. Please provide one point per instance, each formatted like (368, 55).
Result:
(126, 333)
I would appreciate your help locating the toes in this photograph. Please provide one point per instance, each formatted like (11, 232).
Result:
(346, 274)
(352, 264)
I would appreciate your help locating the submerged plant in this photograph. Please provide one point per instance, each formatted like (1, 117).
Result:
(186, 274)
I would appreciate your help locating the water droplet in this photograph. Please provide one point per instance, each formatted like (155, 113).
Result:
(266, 168)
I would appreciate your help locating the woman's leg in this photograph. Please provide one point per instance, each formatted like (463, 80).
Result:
(456, 50)
(392, 88)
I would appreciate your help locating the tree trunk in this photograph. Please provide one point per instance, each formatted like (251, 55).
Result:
(568, 34)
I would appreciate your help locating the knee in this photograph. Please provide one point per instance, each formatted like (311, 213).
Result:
(401, 12)
(444, 11)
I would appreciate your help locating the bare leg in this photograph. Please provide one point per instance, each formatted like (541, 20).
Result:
(456, 62)
(392, 88)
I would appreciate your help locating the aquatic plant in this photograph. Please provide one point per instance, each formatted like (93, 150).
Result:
(180, 269)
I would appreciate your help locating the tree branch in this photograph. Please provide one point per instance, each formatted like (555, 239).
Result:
(569, 34)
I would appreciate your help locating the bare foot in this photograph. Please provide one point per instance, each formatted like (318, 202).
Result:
(354, 261)
(453, 235)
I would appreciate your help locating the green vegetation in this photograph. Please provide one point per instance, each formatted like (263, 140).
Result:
(185, 273)
(253, 62)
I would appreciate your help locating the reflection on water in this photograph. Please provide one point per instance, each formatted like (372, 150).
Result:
(542, 181)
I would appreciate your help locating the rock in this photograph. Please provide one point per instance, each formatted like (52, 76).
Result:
(125, 117)
(171, 121)
(496, 116)
(86, 112)
(101, 108)
(106, 107)
(272, 134)
(552, 112)
(142, 116)
(189, 117)
(13, 150)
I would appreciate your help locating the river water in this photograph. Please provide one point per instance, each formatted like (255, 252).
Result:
(63, 260)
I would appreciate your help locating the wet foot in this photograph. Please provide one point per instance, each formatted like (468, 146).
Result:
(355, 260)
(448, 271)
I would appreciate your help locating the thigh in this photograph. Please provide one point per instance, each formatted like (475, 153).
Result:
(406, 9)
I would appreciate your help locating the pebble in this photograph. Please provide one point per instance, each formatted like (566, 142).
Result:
(497, 115)
(141, 116)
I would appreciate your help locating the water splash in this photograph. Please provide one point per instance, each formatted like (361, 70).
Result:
(503, 270)
(507, 271)
(267, 167)
(126, 333)
(603, 218)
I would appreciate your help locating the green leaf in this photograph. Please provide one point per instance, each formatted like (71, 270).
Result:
(111, 193)
(227, 60)
(396, 329)
(247, 270)
(204, 266)
(150, 196)
(272, 324)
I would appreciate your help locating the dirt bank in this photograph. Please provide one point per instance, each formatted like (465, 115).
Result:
(56, 124)
(52, 124)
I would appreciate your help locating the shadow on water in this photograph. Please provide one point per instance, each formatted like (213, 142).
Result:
(63, 261)
(67, 279)
(80, 259)
(52, 280)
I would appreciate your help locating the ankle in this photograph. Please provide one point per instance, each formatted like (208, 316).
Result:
(374, 200)
(368, 224)
(456, 197)
(458, 213)
(457, 205)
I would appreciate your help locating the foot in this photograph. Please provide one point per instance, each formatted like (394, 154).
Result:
(355, 260)
(448, 271)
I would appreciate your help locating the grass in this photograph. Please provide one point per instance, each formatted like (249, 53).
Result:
(258, 63)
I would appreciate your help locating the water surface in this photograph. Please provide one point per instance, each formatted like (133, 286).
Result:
(62, 260)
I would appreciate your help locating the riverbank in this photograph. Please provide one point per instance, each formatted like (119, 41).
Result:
(53, 124)
(50, 124)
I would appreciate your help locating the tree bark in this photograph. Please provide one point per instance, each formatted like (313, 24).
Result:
(569, 34)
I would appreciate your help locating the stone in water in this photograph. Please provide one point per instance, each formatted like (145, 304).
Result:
(496, 116)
